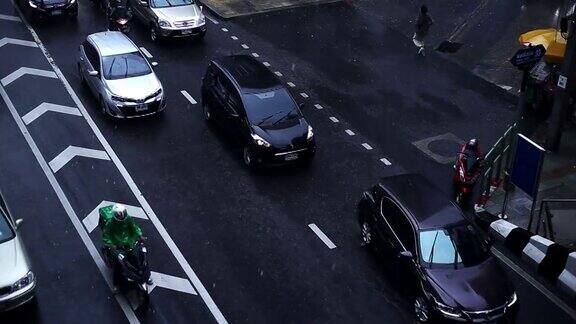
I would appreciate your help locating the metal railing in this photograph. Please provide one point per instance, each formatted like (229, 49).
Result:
(547, 221)
(496, 164)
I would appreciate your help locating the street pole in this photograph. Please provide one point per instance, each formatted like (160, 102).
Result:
(563, 91)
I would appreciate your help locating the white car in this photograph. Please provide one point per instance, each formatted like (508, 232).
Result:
(170, 18)
(17, 281)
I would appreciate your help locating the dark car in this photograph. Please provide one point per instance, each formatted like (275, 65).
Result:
(445, 261)
(251, 105)
(50, 8)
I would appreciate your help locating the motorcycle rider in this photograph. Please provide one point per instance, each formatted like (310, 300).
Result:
(472, 154)
(117, 9)
(120, 234)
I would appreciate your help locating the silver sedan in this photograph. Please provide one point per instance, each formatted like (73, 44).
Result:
(117, 73)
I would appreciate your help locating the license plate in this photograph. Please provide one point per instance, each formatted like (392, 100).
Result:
(291, 157)
(187, 32)
(141, 108)
(56, 12)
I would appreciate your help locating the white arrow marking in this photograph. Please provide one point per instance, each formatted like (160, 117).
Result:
(14, 41)
(171, 282)
(71, 151)
(44, 107)
(12, 18)
(24, 70)
(91, 221)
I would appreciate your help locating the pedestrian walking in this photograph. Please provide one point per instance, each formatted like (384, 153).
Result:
(422, 27)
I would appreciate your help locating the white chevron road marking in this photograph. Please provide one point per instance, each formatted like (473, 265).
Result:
(14, 41)
(72, 151)
(45, 107)
(23, 71)
(170, 282)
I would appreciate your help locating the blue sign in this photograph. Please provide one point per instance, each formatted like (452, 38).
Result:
(527, 165)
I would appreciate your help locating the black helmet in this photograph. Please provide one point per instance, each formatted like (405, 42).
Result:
(472, 144)
(119, 212)
(424, 9)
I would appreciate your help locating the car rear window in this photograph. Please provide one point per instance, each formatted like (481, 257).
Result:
(6, 232)
(123, 66)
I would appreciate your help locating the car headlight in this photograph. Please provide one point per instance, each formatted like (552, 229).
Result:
(512, 300)
(23, 282)
(32, 4)
(259, 140)
(447, 311)
(163, 23)
(310, 133)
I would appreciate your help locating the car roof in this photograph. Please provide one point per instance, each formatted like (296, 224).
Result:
(112, 43)
(429, 207)
(248, 73)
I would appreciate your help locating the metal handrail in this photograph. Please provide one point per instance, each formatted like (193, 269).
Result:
(544, 205)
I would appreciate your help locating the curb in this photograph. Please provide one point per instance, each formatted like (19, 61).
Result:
(552, 261)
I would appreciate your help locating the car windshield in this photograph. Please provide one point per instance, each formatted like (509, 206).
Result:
(267, 108)
(6, 232)
(124, 66)
(458, 246)
(169, 3)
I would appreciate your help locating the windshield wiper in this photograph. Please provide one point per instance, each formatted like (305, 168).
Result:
(266, 118)
(431, 256)
(455, 254)
(111, 66)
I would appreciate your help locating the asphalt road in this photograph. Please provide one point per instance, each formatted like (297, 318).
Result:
(244, 235)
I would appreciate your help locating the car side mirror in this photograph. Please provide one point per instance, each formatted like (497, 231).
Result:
(18, 222)
(93, 73)
(201, 8)
(405, 255)
(144, 3)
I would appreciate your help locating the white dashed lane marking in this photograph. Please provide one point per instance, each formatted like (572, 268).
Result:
(145, 51)
(318, 106)
(214, 21)
(244, 46)
(334, 119)
(234, 37)
(367, 146)
(385, 161)
(292, 85)
(255, 55)
(266, 64)
(304, 95)
(188, 97)
(349, 132)
(322, 236)
(225, 29)
(278, 73)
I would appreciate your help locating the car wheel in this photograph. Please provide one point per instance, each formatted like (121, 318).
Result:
(421, 310)
(366, 232)
(207, 112)
(153, 34)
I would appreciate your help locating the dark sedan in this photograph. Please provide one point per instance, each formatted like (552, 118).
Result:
(252, 106)
(50, 8)
(446, 263)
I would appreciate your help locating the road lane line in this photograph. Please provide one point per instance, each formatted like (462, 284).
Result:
(334, 119)
(278, 73)
(45, 107)
(188, 97)
(255, 55)
(14, 41)
(73, 151)
(350, 132)
(367, 146)
(145, 51)
(214, 21)
(266, 64)
(304, 95)
(318, 106)
(234, 37)
(292, 85)
(171, 282)
(26, 70)
(92, 250)
(244, 46)
(385, 161)
(225, 29)
(11, 18)
(91, 220)
(322, 236)
(218, 316)
(154, 63)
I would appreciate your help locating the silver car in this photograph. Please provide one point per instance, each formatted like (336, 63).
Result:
(170, 18)
(17, 282)
(119, 76)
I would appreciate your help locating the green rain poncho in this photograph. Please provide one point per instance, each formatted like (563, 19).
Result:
(119, 234)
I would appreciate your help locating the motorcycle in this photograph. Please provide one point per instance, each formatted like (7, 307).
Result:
(120, 20)
(466, 173)
(122, 25)
(133, 271)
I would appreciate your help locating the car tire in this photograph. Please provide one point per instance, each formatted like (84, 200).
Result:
(82, 79)
(421, 310)
(206, 112)
(366, 233)
(248, 157)
(153, 34)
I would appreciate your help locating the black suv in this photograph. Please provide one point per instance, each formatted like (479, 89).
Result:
(50, 8)
(251, 105)
(443, 260)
